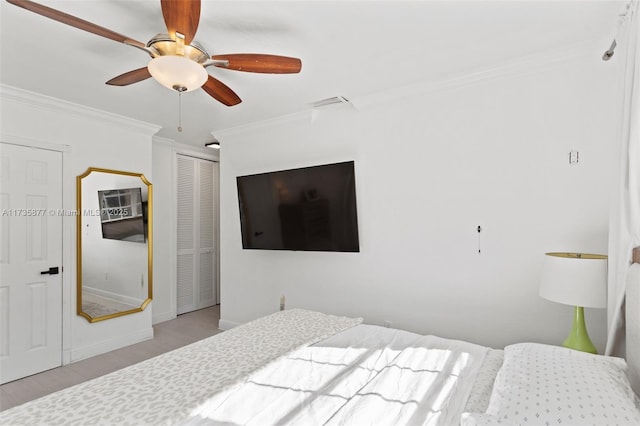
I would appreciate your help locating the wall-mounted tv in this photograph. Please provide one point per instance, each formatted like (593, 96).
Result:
(310, 208)
(122, 214)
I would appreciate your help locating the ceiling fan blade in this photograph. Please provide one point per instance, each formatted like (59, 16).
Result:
(256, 62)
(130, 77)
(65, 18)
(182, 16)
(221, 92)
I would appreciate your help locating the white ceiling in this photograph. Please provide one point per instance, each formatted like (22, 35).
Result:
(348, 48)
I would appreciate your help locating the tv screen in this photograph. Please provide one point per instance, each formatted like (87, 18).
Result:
(122, 214)
(311, 208)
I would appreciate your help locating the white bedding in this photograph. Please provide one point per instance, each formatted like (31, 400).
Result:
(165, 389)
(366, 375)
(542, 384)
(480, 396)
(307, 368)
(270, 372)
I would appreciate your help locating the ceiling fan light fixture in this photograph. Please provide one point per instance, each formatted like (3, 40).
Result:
(178, 73)
(164, 45)
(179, 61)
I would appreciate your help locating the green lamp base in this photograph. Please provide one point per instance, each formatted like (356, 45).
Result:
(578, 338)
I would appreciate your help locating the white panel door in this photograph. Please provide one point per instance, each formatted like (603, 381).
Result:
(197, 275)
(31, 226)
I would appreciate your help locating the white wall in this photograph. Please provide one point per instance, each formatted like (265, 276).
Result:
(95, 139)
(164, 270)
(433, 162)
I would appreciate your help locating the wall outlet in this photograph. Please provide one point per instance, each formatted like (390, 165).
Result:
(574, 157)
(282, 303)
(388, 324)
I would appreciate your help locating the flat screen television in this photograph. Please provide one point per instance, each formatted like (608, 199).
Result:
(122, 214)
(310, 208)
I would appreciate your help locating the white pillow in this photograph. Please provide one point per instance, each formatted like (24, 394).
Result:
(478, 400)
(551, 385)
(477, 419)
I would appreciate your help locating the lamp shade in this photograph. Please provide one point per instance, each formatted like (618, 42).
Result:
(178, 73)
(577, 279)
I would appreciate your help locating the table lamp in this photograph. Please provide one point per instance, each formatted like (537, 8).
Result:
(577, 279)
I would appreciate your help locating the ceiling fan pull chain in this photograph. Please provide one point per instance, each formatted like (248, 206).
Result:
(179, 111)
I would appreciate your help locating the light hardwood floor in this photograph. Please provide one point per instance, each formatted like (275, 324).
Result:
(169, 335)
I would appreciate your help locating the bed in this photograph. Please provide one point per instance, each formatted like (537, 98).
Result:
(307, 368)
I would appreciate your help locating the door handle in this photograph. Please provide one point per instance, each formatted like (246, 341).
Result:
(54, 270)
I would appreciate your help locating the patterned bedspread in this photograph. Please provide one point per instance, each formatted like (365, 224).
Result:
(366, 375)
(166, 389)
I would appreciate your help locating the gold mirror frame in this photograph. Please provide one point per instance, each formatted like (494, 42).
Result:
(80, 213)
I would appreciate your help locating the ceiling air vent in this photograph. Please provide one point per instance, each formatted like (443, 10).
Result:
(330, 101)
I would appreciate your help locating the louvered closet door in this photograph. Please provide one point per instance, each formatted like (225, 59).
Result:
(197, 226)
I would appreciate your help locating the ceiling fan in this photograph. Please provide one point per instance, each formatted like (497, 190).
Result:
(178, 62)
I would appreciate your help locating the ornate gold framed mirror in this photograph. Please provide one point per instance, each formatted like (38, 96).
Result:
(114, 243)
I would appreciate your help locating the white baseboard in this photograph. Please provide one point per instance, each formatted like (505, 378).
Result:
(113, 296)
(227, 325)
(162, 317)
(110, 345)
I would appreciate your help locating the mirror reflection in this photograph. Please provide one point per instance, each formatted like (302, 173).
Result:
(114, 243)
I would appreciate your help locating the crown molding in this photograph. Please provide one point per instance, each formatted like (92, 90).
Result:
(49, 103)
(186, 149)
(519, 66)
(516, 67)
(300, 116)
(201, 152)
(161, 140)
